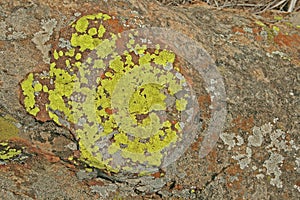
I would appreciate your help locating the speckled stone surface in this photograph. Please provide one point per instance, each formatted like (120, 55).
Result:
(256, 155)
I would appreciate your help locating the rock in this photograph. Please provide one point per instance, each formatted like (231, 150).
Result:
(258, 62)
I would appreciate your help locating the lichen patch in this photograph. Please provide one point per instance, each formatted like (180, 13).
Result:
(274, 141)
(41, 37)
(113, 92)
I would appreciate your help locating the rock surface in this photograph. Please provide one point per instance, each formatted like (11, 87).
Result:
(257, 154)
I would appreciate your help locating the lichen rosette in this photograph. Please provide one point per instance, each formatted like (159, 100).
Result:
(122, 94)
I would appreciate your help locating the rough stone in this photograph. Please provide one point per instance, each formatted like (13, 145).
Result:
(257, 156)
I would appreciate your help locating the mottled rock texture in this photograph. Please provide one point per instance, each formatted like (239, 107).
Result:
(257, 154)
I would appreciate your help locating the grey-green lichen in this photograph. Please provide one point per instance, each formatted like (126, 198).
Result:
(114, 101)
(277, 144)
(43, 36)
(8, 128)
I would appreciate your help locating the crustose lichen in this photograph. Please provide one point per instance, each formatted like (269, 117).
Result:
(124, 101)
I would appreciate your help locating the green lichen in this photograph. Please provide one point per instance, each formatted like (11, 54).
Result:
(164, 57)
(271, 32)
(7, 128)
(146, 98)
(120, 117)
(278, 18)
(260, 23)
(276, 29)
(181, 104)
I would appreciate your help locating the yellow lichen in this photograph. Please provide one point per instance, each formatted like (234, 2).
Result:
(278, 18)
(29, 97)
(120, 117)
(181, 104)
(260, 23)
(7, 152)
(164, 57)
(276, 29)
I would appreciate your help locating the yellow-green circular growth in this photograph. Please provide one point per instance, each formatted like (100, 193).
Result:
(125, 101)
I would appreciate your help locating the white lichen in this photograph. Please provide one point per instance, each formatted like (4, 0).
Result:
(256, 139)
(273, 168)
(41, 37)
(244, 159)
(63, 43)
(9, 33)
(260, 176)
(15, 35)
(232, 140)
(277, 142)
(228, 139)
(266, 129)
(240, 140)
(248, 29)
(72, 146)
(297, 188)
(294, 146)
(104, 191)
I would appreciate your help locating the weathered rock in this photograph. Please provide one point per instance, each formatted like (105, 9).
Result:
(257, 155)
